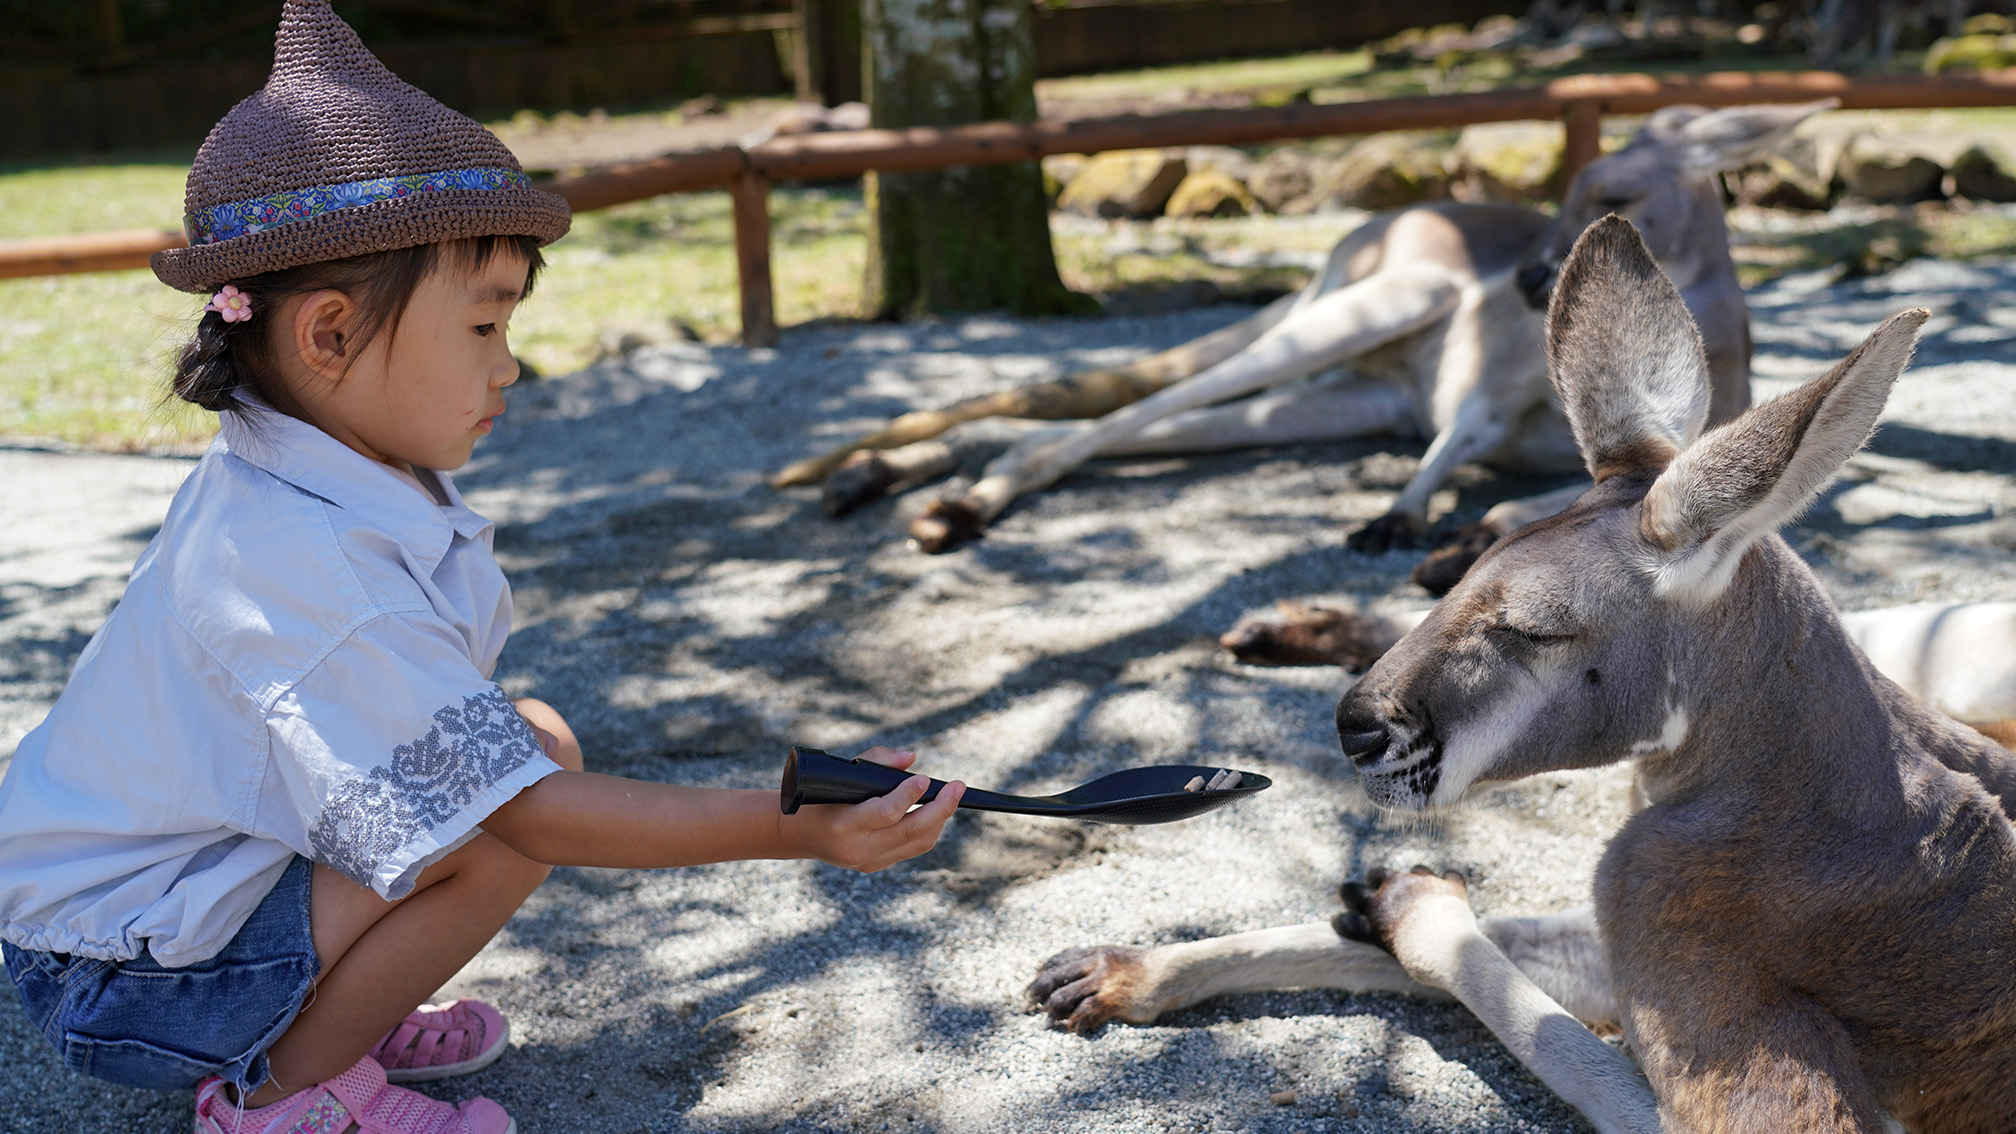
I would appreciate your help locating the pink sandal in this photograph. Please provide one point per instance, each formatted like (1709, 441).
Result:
(440, 1040)
(359, 1097)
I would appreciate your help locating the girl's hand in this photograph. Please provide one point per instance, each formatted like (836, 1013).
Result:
(871, 835)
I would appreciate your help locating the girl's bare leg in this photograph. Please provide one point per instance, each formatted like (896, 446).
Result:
(380, 959)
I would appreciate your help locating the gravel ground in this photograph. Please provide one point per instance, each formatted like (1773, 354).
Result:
(692, 623)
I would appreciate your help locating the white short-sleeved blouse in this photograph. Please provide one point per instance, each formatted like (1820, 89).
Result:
(300, 665)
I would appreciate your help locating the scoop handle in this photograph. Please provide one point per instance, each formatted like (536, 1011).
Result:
(812, 776)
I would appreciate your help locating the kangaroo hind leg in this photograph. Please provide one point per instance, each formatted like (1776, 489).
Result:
(1321, 333)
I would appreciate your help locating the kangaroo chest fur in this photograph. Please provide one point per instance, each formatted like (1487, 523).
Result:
(1867, 894)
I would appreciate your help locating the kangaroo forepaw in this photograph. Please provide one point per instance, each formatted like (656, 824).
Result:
(864, 477)
(1083, 988)
(1305, 635)
(1389, 909)
(946, 524)
(1445, 566)
(1389, 531)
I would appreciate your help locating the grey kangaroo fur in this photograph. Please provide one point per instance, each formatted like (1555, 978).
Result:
(1810, 923)
(1432, 312)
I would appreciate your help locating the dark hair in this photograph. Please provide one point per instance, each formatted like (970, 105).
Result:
(225, 359)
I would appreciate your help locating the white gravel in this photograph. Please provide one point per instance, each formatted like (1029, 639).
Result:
(692, 623)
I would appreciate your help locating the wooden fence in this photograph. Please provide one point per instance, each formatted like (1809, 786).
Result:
(748, 174)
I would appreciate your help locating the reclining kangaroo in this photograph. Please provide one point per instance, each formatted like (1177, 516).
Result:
(1432, 308)
(1808, 925)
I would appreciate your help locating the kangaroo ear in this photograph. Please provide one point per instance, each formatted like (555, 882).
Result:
(1624, 354)
(1731, 138)
(1745, 478)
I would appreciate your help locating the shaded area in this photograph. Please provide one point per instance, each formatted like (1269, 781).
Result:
(692, 623)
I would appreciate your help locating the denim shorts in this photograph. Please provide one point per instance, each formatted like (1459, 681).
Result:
(140, 1024)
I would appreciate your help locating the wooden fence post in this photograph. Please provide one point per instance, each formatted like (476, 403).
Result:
(752, 258)
(1583, 142)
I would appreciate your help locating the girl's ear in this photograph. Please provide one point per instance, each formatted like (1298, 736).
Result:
(322, 331)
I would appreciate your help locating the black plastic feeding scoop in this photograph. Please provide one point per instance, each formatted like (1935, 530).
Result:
(1132, 796)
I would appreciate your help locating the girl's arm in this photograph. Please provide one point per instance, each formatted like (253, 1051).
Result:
(573, 818)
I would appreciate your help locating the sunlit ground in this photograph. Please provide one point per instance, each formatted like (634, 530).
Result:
(84, 359)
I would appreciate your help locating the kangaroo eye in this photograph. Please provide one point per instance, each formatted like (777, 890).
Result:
(1534, 637)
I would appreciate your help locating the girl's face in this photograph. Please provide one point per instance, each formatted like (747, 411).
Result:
(424, 392)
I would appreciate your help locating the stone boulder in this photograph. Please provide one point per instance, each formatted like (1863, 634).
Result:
(1124, 183)
(1507, 161)
(1283, 175)
(1888, 172)
(1210, 193)
(1800, 174)
(1384, 171)
(1233, 163)
(1058, 170)
(1982, 174)
(1971, 53)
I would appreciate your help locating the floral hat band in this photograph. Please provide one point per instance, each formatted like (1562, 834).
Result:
(238, 218)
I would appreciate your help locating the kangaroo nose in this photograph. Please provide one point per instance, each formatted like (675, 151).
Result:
(1535, 280)
(1361, 734)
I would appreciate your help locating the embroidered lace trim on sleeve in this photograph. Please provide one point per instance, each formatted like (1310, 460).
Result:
(427, 782)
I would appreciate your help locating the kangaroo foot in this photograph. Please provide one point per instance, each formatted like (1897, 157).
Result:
(1307, 635)
(945, 525)
(863, 477)
(1083, 988)
(870, 474)
(1384, 534)
(1445, 566)
(1414, 916)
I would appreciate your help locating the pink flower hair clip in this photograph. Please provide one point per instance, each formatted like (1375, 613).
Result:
(234, 305)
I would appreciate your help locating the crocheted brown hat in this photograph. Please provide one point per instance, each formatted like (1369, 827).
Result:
(337, 157)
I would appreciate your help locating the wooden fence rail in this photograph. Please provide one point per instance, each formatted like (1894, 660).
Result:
(1580, 101)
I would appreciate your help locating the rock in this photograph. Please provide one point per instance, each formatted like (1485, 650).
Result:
(1971, 53)
(1124, 183)
(1982, 174)
(1384, 171)
(1209, 193)
(1235, 164)
(1058, 170)
(1283, 175)
(1800, 174)
(1283, 1098)
(1882, 171)
(706, 106)
(1507, 161)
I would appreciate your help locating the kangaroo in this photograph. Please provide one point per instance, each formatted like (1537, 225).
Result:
(1808, 924)
(1433, 311)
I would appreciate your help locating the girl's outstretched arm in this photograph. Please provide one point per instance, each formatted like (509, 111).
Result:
(587, 819)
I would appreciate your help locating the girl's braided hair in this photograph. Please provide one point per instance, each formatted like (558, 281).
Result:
(226, 360)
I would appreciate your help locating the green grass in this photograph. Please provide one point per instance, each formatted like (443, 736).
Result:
(84, 359)
(1293, 72)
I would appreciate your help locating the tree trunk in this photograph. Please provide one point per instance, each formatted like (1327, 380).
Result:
(958, 239)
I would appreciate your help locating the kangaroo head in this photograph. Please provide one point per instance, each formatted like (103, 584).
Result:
(1585, 638)
(1664, 182)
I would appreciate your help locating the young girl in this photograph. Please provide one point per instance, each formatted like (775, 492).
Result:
(280, 802)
